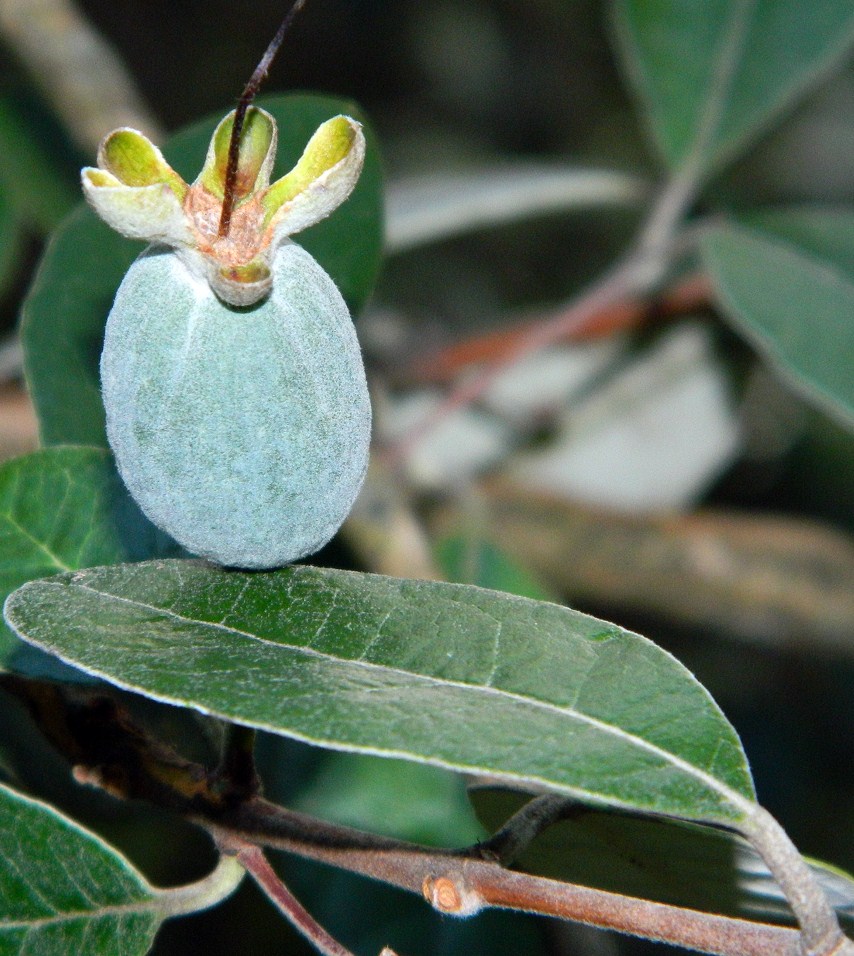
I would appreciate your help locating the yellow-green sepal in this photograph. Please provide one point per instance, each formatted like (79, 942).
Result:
(240, 285)
(135, 161)
(136, 191)
(255, 159)
(323, 178)
(152, 213)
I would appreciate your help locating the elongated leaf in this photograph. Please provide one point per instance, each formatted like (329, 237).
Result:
(365, 792)
(11, 235)
(786, 280)
(67, 307)
(63, 326)
(34, 171)
(712, 75)
(677, 863)
(472, 559)
(445, 674)
(427, 209)
(62, 509)
(63, 890)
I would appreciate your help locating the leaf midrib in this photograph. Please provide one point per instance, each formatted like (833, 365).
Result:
(820, 269)
(152, 905)
(699, 156)
(741, 803)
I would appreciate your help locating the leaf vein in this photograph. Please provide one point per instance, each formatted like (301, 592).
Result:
(736, 799)
(54, 559)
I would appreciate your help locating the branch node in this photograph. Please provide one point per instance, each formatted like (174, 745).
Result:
(450, 894)
(236, 778)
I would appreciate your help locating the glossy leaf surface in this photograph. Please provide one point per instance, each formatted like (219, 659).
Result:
(786, 280)
(66, 310)
(443, 674)
(63, 890)
(715, 74)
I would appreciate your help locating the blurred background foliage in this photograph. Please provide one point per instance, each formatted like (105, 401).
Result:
(595, 474)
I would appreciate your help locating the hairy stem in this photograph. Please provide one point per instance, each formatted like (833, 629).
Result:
(517, 834)
(462, 883)
(819, 926)
(630, 277)
(252, 858)
(110, 751)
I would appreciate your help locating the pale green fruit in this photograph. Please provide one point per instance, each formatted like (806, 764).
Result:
(243, 433)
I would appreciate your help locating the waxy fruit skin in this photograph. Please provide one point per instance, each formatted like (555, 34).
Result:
(243, 433)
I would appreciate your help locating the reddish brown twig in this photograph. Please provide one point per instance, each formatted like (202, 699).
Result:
(689, 294)
(626, 281)
(461, 883)
(256, 864)
(110, 751)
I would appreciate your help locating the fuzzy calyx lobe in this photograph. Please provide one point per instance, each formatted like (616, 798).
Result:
(138, 193)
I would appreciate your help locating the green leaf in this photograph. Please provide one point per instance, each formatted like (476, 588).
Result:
(32, 173)
(443, 674)
(63, 327)
(406, 800)
(714, 75)
(63, 509)
(67, 307)
(63, 890)
(677, 863)
(11, 236)
(786, 281)
(470, 559)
